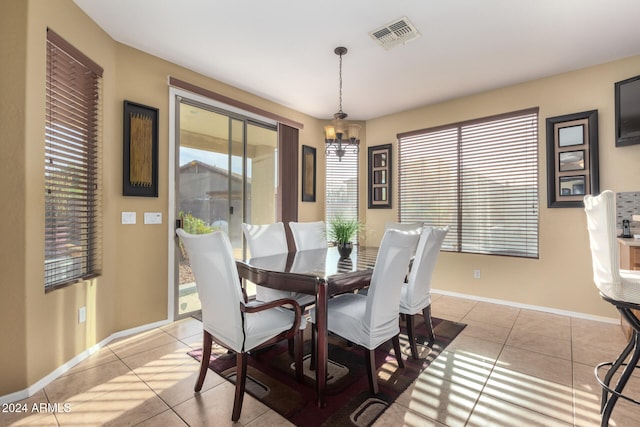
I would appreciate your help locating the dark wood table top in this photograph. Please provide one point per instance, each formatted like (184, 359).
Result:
(302, 271)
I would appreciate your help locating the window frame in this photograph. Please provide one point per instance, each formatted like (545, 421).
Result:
(335, 175)
(72, 166)
(456, 162)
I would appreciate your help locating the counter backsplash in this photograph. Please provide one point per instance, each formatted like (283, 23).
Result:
(627, 205)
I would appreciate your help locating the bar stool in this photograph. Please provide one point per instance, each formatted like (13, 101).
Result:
(618, 287)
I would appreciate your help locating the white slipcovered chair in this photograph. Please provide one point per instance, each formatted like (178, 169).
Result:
(309, 235)
(371, 320)
(404, 226)
(265, 240)
(410, 227)
(415, 296)
(618, 287)
(227, 319)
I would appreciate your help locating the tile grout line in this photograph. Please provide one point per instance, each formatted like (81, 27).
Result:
(495, 362)
(170, 408)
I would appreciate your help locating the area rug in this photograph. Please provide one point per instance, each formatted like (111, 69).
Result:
(271, 377)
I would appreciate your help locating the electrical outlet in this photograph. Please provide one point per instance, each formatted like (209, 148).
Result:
(82, 314)
(476, 274)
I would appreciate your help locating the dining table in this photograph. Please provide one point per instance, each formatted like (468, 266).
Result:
(323, 273)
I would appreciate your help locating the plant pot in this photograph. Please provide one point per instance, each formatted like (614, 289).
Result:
(344, 249)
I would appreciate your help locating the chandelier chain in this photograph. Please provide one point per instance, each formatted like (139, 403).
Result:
(340, 76)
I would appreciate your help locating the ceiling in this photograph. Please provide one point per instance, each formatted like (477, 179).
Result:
(282, 50)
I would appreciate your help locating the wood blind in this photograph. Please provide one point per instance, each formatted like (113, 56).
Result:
(342, 186)
(480, 178)
(72, 193)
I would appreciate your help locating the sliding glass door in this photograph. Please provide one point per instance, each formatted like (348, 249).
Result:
(225, 175)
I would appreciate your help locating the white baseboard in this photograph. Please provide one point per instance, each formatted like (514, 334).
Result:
(43, 382)
(530, 307)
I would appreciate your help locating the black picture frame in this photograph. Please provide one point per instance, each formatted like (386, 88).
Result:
(572, 159)
(308, 174)
(380, 176)
(140, 150)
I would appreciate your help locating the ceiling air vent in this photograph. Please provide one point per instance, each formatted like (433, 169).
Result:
(397, 32)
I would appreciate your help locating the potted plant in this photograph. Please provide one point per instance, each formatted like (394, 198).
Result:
(341, 231)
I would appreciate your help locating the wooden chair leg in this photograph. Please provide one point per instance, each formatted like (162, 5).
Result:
(291, 346)
(207, 342)
(312, 362)
(396, 349)
(410, 335)
(241, 379)
(426, 312)
(299, 348)
(372, 375)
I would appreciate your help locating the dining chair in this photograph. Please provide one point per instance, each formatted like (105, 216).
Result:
(415, 296)
(309, 235)
(371, 320)
(227, 318)
(404, 226)
(411, 227)
(265, 240)
(618, 287)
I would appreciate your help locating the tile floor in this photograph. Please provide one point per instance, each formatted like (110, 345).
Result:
(509, 367)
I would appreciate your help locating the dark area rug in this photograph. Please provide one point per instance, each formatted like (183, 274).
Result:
(271, 377)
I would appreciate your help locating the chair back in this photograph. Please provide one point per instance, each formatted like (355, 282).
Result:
(383, 296)
(603, 242)
(309, 235)
(410, 227)
(404, 226)
(418, 294)
(218, 285)
(265, 240)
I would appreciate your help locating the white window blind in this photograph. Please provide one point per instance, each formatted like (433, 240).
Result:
(342, 186)
(480, 178)
(72, 193)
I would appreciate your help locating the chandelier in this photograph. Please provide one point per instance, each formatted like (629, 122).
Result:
(341, 136)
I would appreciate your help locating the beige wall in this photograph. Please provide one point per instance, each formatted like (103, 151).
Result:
(13, 46)
(39, 331)
(562, 277)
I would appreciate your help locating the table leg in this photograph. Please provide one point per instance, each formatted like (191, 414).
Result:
(322, 345)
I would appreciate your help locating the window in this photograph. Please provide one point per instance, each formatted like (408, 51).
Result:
(72, 193)
(342, 186)
(478, 177)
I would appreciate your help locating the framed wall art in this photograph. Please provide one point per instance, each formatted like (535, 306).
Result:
(308, 174)
(380, 176)
(572, 159)
(140, 150)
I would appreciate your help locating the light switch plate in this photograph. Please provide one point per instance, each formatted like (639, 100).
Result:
(153, 217)
(128, 217)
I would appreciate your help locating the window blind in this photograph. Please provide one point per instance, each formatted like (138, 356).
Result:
(480, 178)
(342, 186)
(72, 193)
